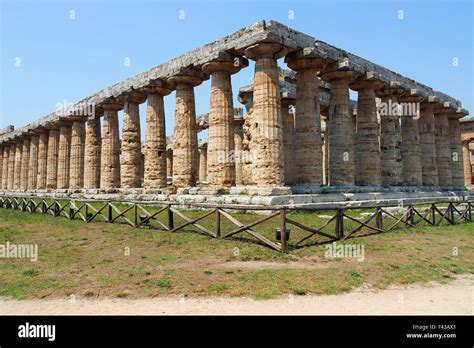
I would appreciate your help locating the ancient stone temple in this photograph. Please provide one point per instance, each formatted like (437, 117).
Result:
(300, 132)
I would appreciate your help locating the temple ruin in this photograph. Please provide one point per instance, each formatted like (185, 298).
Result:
(300, 132)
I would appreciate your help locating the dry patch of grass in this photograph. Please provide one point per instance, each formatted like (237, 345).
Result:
(112, 260)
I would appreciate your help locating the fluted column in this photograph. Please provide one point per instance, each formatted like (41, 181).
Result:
(221, 146)
(269, 162)
(52, 166)
(5, 160)
(443, 150)
(131, 151)
(155, 138)
(77, 155)
(64, 155)
(42, 160)
(110, 152)
(289, 140)
(169, 163)
(1, 165)
(203, 163)
(467, 164)
(11, 167)
(25, 161)
(184, 134)
(33, 163)
(368, 170)
(92, 155)
(410, 146)
(308, 156)
(17, 178)
(238, 139)
(390, 141)
(457, 162)
(340, 132)
(428, 145)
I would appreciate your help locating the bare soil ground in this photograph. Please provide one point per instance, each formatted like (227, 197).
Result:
(456, 297)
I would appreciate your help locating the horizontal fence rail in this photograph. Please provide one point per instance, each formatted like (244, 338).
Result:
(222, 221)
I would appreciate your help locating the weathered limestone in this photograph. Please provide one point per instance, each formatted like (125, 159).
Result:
(428, 145)
(25, 161)
(367, 149)
(185, 153)
(131, 152)
(64, 154)
(268, 170)
(289, 139)
(5, 160)
(92, 155)
(466, 160)
(238, 139)
(443, 150)
(11, 167)
(155, 138)
(340, 132)
(52, 166)
(390, 141)
(18, 154)
(220, 152)
(77, 155)
(457, 170)
(169, 163)
(308, 155)
(203, 163)
(33, 163)
(110, 151)
(410, 146)
(1, 165)
(42, 160)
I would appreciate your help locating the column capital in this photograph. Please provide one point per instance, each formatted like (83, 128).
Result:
(368, 81)
(133, 96)
(338, 71)
(111, 104)
(157, 87)
(188, 76)
(265, 50)
(225, 62)
(306, 58)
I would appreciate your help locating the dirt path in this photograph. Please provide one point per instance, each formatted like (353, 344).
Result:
(457, 297)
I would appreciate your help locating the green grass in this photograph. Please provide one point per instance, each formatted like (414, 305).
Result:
(114, 260)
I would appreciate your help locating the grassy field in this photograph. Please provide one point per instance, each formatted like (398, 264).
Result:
(113, 260)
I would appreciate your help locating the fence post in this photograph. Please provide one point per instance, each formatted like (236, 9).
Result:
(470, 210)
(340, 224)
(218, 223)
(433, 214)
(412, 215)
(170, 218)
(109, 212)
(135, 214)
(379, 219)
(284, 245)
(451, 213)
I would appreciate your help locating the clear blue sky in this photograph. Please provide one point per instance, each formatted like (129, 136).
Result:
(68, 59)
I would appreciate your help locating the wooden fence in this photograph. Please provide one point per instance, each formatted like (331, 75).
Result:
(167, 216)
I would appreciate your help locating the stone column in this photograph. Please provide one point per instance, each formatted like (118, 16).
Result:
(25, 161)
(390, 141)
(457, 162)
(155, 176)
(289, 139)
(184, 134)
(11, 167)
(203, 163)
(220, 166)
(17, 178)
(443, 150)
(110, 152)
(368, 170)
(52, 165)
(325, 148)
(169, 163)
(77, 155)
(92, 154)
(42, 160)
(33, 164)
(466, 159)
(266, 112)
(64, 155)
(340, 129)
(5, 160)
(308, 157)
(131, 151)
(410, 146)
(238, 139)
(428, 145)
(1, 164)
